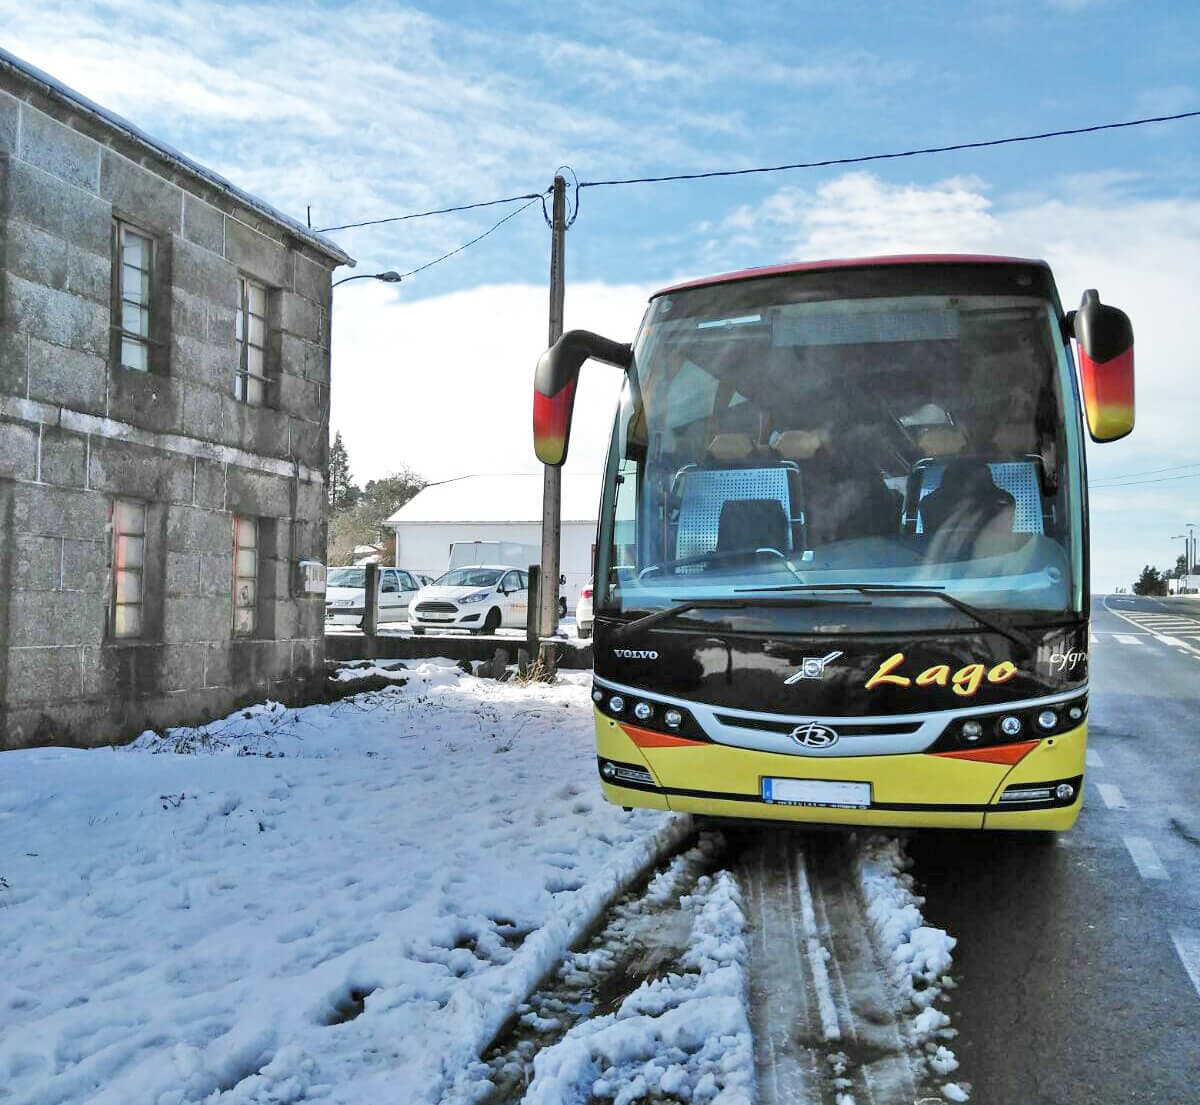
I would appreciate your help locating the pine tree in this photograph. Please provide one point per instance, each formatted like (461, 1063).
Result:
(338, 485)
(1150, 582)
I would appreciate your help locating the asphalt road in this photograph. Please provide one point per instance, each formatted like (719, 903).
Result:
(1079, 958)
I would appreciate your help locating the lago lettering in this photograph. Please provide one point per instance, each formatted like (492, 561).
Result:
(965, 681)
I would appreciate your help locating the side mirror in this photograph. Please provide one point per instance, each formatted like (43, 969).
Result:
(1105, 338)
(554, 388)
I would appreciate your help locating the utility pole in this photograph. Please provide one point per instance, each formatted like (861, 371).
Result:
(552, 479)
(1187, 549)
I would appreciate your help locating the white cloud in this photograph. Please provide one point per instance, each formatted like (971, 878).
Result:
(445, 384)
(365, 110)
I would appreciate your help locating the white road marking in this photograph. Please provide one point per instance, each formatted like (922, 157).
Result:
(1127, 639)
(1113, 798)
(1187, 944)
(1174, 642)
(1094, 759)
(1143, 620)
(1145, 857)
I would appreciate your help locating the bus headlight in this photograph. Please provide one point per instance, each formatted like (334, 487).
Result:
(608, 769)
(1075, 713)
(643, 711)
(616, 704)
(971, 732)
(1047, 719)
(1064, 792)
(597, 695)
(673, 718)
(1010, 725)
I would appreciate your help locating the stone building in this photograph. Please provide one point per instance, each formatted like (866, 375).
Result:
(164, 391)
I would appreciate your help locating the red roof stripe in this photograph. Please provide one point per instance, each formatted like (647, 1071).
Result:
(854, 263)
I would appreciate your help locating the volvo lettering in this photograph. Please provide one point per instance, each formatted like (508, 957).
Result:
(842, 562)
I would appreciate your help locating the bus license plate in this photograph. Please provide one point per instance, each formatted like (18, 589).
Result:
(817, 792)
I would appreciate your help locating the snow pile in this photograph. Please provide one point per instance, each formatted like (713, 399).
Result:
(366, 669)
(918, 955)
(686, 1036)
(340, 903)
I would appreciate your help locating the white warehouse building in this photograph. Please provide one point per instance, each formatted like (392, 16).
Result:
(504, 510)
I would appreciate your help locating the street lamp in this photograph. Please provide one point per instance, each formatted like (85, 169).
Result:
(389, 277)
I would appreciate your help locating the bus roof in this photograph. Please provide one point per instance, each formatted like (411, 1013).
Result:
(854, 263)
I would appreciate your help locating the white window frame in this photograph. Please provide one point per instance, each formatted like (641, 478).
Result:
(127, 561)
(246, 534)
(141, 299)
(249, 386)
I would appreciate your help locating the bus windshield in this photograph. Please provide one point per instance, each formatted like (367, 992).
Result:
(911, 425)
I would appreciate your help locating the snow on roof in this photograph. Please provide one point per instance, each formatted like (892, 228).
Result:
(503, 497)
(77, 101)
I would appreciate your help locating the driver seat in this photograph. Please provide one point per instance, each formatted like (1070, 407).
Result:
(969, 514)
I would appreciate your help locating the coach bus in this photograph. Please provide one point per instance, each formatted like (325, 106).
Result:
(842, 559)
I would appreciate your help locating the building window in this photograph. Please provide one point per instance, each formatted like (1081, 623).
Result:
(133, 283)
(245, 576)
(128, 523)
(250, 379)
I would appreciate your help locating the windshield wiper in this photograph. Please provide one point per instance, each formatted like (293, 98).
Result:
(647, 621)
(991, 619)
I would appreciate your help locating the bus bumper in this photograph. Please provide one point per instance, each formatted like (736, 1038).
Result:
(917, 790)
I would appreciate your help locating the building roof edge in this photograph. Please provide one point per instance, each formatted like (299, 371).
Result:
(31, 74)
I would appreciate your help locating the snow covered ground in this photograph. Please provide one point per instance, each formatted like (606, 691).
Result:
(342, 903)
(347, 903)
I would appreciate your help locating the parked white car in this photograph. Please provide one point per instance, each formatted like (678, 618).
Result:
(344, 595)
(583, 611)
(479, 599)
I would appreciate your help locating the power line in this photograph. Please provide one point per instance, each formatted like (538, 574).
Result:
(892, 156)
(477, 238)
(1147, 472)
(1138, 483)
(438, 211)
(772, 168)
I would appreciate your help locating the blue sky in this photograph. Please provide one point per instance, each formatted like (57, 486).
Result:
(369, 109)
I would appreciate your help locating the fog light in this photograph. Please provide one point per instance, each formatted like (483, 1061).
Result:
(1027, 794)
(643, 711)
(673, 718)
(1010, 725)
(1075, 713)
(1064, 792)
(616, 704)
(972, 732)
(597, 695)
(608, 770)
(1047, 719)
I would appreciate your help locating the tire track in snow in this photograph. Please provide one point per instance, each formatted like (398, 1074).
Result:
(651, 1002)
(843, 973)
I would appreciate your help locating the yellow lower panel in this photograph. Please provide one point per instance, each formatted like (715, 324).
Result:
(1060, 757)
(902, 780)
